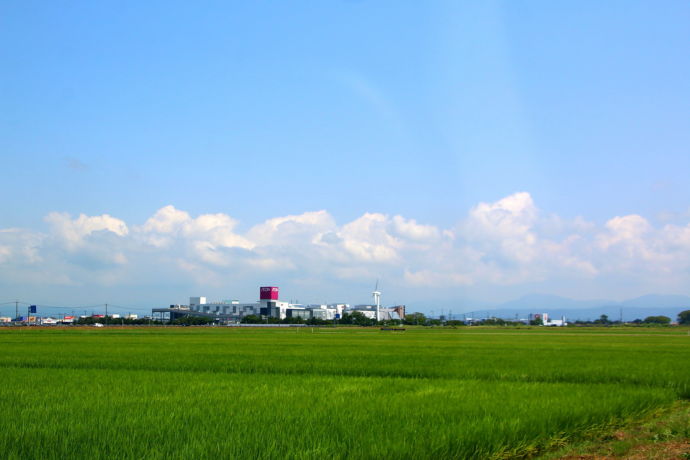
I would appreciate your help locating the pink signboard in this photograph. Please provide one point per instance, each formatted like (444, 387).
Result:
(268, 293)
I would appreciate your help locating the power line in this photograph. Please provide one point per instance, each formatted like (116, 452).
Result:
(78, 307)
(130, 307)
(63, 309)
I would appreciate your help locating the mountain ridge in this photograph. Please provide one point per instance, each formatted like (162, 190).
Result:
(556, 306)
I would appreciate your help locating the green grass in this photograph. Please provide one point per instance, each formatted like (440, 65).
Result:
(343, 393)
(661, 434)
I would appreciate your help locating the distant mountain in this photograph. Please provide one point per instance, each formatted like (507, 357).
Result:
(659, 301)
(556, 306)
(532, 301)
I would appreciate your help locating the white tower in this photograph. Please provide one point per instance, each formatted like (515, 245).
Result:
(377, 300)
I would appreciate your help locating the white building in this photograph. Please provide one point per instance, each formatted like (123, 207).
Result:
(367, 310)
(385, 314)
(553, 322)
(269, 305)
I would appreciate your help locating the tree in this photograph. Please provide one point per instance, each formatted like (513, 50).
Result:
(493, 322)
(358, 318)
(389, 322)
(192, 321)
(657, 320)
(293, 320)
(318, 322)
(537, 322)
(415, 318)
(361, 320)
(455, 322)
(603, 319)
(684, 317)
(251, 319)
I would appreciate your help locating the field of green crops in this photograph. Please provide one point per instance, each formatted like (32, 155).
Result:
(326, 393)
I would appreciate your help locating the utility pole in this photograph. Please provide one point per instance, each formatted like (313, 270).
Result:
(106, 314)
(16, 309)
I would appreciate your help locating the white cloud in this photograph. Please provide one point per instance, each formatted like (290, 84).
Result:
(626, 229)
(216, 229)
(206, 237)
(296, 229)
(510, 242)
(503, 243)
(409, 228)
(427, 278)
(5, 253)
(166, 220)
(630, 244)
(73, 231)
(367, 239)
(93, 241)
(20, 247)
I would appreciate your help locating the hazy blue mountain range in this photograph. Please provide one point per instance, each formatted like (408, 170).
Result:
(556, 306)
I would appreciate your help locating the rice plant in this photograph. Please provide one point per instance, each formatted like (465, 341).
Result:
(350, 393)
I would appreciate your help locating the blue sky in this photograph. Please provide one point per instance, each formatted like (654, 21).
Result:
(575, 112)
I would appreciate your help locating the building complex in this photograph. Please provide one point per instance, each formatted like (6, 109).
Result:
(269, 305)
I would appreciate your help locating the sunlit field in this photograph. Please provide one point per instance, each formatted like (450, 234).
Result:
(326, 393)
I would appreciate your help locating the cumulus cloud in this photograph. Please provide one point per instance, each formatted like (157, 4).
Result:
(20, 247)
(166, 220)
(509, 242)
(208, 237)
(506, 242)
(622, 230)
(298, 229)
(631, 244)
(73, 231)
(409, 228)
(504, 228)
(368, 239)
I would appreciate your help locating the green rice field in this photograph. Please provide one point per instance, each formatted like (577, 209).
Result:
(213, 392)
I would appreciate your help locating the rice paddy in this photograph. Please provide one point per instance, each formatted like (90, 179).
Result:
(326, 393)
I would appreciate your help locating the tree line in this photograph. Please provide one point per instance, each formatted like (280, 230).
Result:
(357, 318)
(655, 320)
